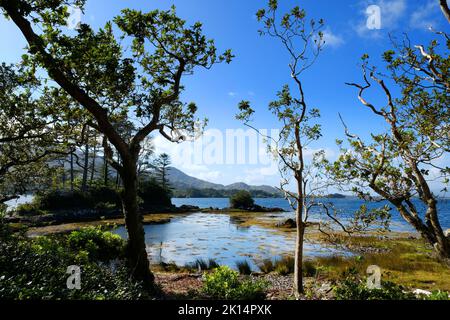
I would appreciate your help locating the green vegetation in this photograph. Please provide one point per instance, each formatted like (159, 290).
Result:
(242, 200)
(153, 195)
(225, 284)
(354, 288)
(219, 193)
(37, 269)
(201, 264)
(244, 267)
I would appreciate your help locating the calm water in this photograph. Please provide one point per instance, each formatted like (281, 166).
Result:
(346, 207)
(218, 236)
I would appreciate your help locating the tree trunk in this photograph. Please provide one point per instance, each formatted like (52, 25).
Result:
(298, 268)
(71, 172)
(86, 166)
(94, 159)
(137, 258)
(105, 172)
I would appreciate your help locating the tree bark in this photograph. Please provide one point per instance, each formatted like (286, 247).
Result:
(445, 9)
(298, 268)
(71, 173)
(137, 258)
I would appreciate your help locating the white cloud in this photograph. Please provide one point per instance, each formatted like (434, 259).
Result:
(391, 13)
(424, 16)
(232, 94)
(331, 39)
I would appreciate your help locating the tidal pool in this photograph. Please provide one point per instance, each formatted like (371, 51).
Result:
(217, 236)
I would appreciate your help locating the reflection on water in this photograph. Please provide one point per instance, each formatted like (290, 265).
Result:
(204, 236)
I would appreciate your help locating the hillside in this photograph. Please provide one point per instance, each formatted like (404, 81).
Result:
(180, 181)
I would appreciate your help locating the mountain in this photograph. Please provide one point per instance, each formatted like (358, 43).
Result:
(181, 181)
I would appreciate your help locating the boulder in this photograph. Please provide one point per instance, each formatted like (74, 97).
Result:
(289, 223)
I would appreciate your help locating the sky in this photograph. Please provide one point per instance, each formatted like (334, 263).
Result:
(260, 69)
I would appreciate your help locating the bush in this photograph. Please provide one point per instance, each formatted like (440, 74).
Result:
(28, 209)
(98, 245)
(224, 284)
(355, 288)
(106, 196)
(242, 200)
(153, 195)
(96, 197)
(244, 267)
(36, 269)
(61, 200)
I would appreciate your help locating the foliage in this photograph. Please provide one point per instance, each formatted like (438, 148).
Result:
(153, 194)
(36, 269)
(242, 200)
(399, 163)
(99, 245)
(215, 193)
(28, 137)
(244, 267)
(161, 167)
(438, 295)
(354, 288)
(224, 284)
(96, 198)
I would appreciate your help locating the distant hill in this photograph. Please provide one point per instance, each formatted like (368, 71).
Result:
(180, 181)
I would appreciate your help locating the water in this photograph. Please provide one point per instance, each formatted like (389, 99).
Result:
(346, 207)
(217, 236)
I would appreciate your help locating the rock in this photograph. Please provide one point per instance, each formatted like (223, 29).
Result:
(420, 292)
(447, 233)
(289, 223)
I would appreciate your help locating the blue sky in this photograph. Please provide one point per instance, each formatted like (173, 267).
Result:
(260, 67)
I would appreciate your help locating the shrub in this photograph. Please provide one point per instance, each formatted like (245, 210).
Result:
(105, 195)
(242, 200)
(244, 267)
(224, 284)
(152, 194)
(438, 295)
(36, 269)
(60, 200)
(355, 288)
(28, 209)
(99, 245)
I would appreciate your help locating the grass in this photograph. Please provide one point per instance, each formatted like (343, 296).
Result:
(244, 267)
(408, 262)
(203, 265)
(69, 227)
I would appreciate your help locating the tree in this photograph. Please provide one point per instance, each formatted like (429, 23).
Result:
(242, 200)
(28, 137)
(108, 82)
(400, 163)
(303, 41)
(161, 167)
